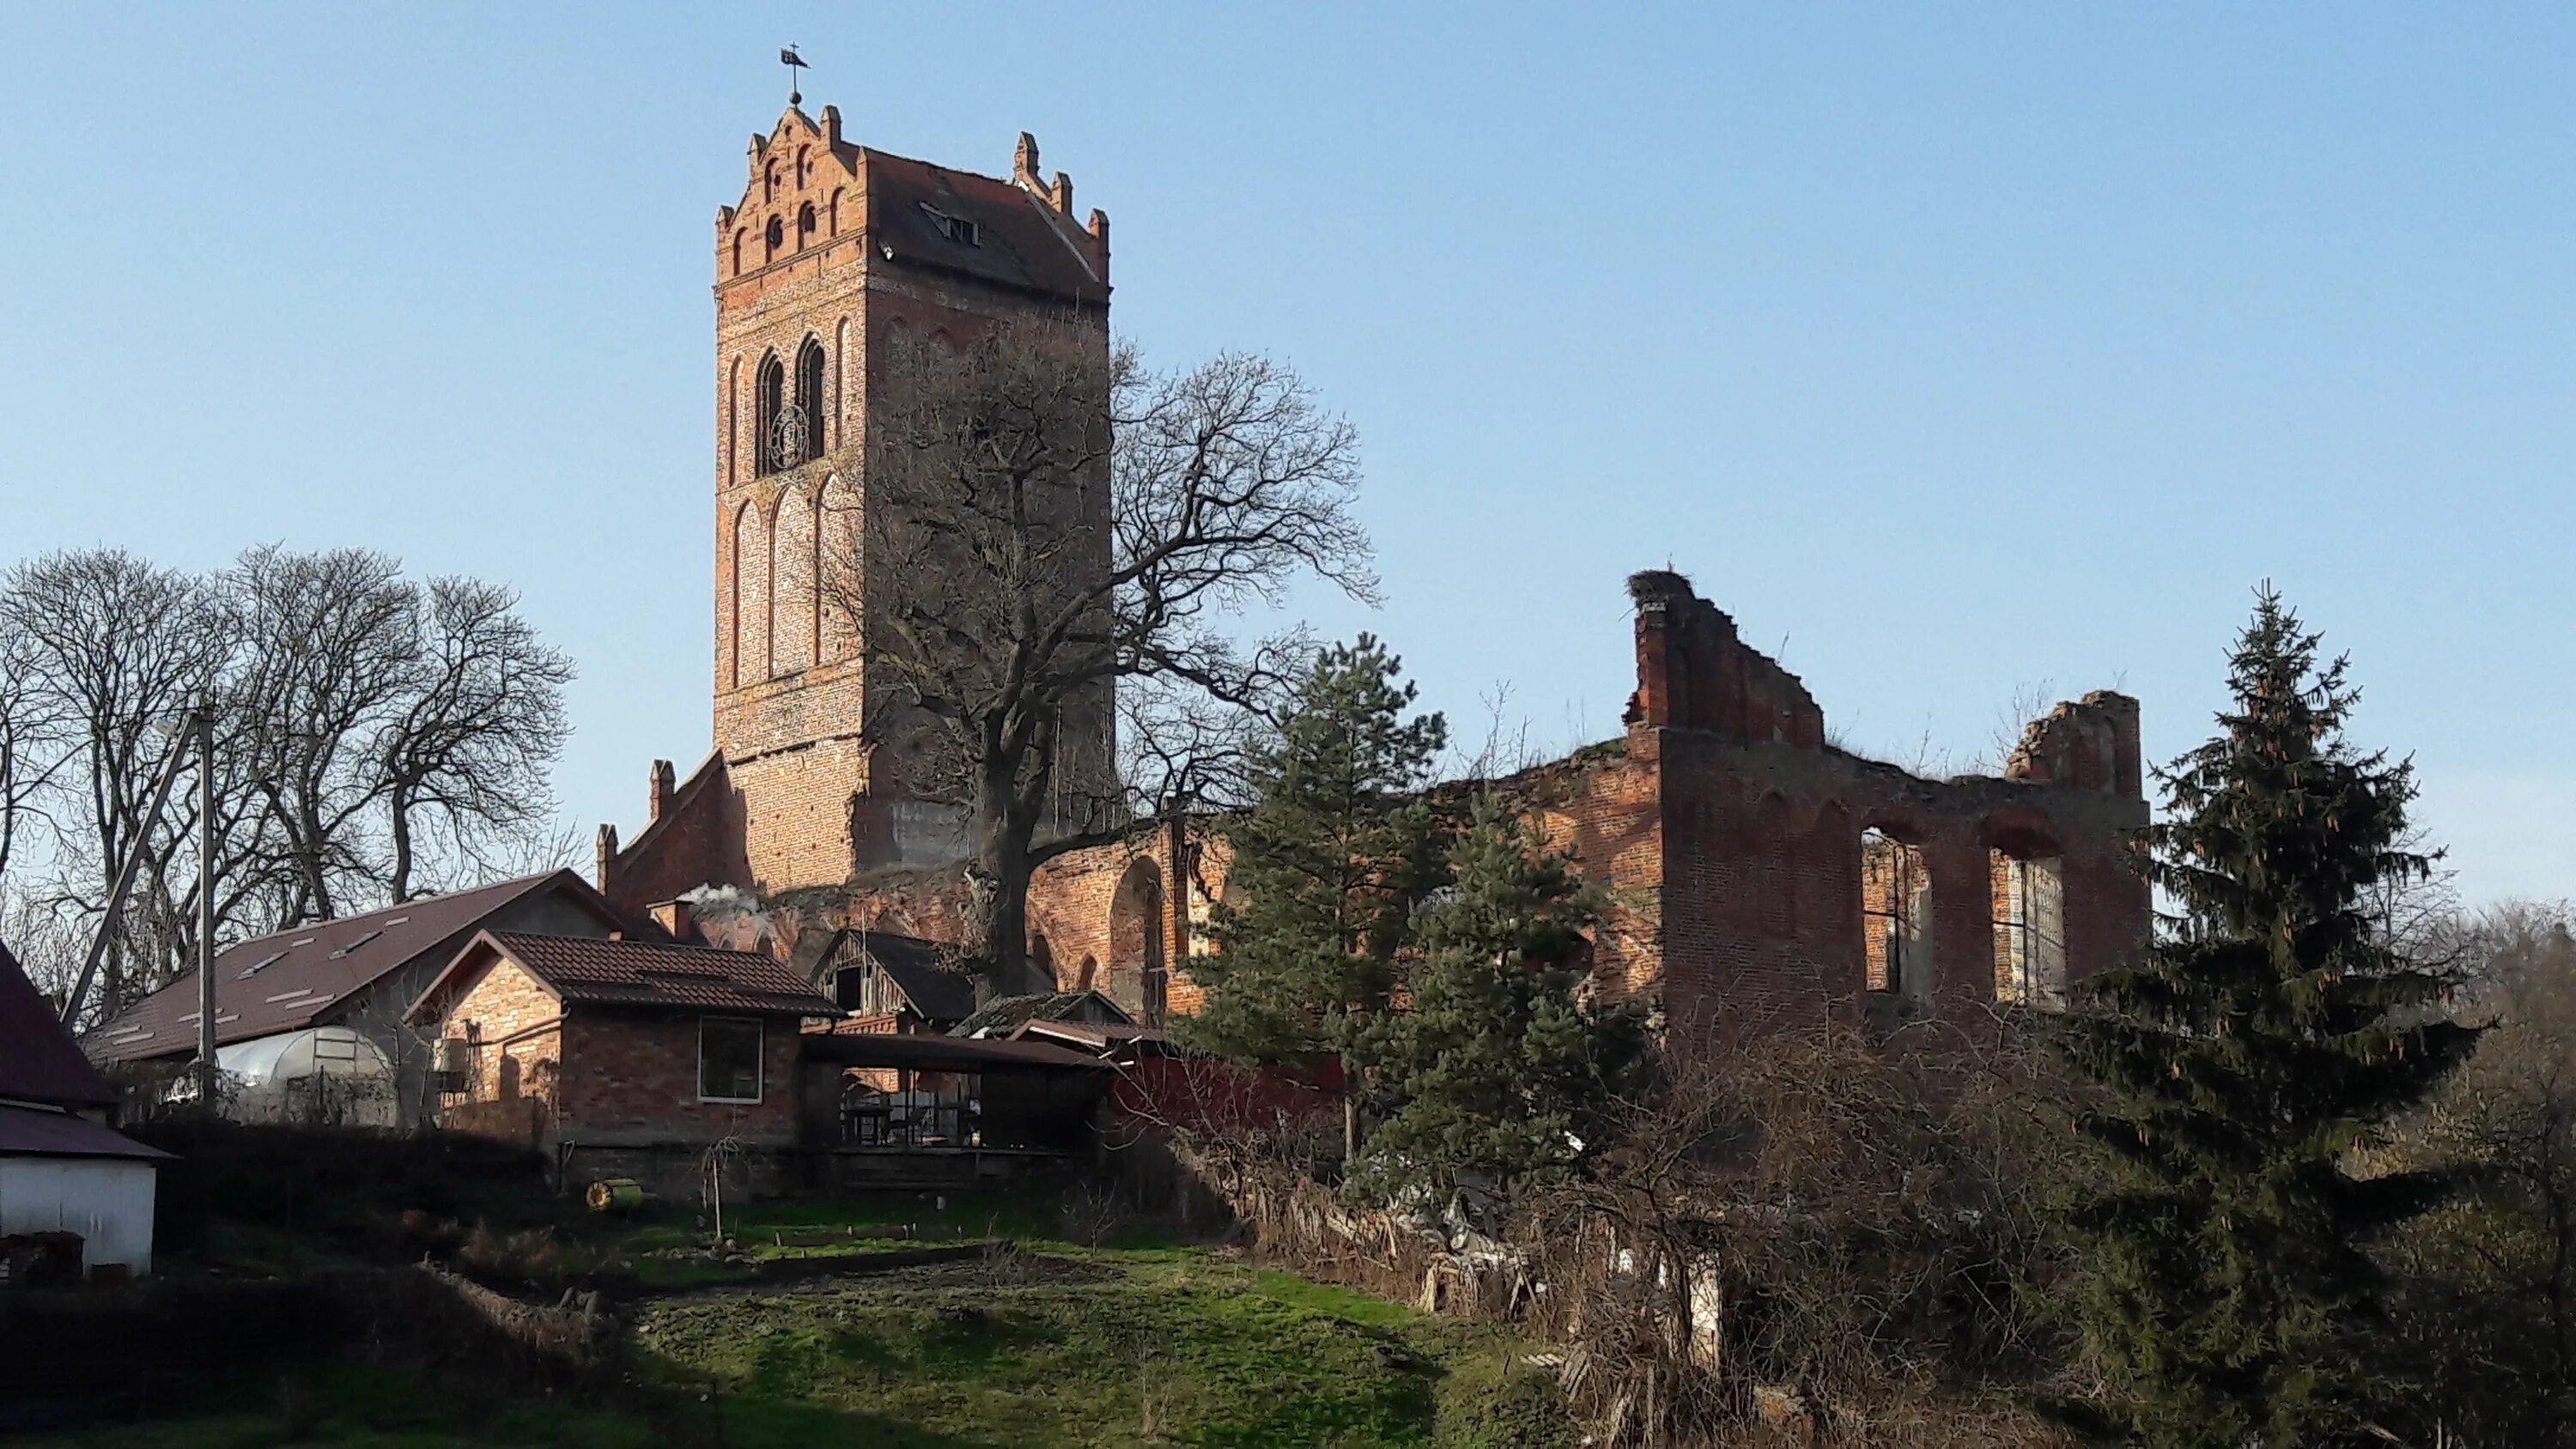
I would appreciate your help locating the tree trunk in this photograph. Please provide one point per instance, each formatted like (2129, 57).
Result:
(1001, 886)
(402, 847)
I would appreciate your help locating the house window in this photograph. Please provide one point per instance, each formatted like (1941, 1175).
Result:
(728, 1059)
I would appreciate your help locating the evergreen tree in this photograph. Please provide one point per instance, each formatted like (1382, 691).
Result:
(2269, 1032)
(1326, 870)
(1497, 1068)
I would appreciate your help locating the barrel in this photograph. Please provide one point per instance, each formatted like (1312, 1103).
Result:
(616, 1195)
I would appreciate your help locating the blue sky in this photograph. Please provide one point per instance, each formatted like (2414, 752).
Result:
(1952, 349)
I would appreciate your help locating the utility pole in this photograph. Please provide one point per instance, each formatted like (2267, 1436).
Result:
(207, 1073)
(124, 881)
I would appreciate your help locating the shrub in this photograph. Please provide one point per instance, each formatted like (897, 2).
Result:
(1500, 1402)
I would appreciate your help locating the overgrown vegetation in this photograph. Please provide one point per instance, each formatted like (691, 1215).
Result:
(2229, 1288)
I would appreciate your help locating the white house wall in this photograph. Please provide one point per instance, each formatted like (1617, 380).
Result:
(107, 1201)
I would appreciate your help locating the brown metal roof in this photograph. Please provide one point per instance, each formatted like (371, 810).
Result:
(30, 1132)
(285, 981)
(39, 1061)
(657, 974)
(941, 1053)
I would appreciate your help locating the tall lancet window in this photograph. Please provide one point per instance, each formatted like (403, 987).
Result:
(810, 397)
(772, 405)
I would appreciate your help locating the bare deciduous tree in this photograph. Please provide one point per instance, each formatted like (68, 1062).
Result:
(328, 641)
(120, 649)
(1044, 518)
(482, 721)
(354, 711)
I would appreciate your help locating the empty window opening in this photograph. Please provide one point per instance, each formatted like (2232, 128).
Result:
(2030, 928)
(1136, 937)
(776, 237)
(1896, 919)
(959, 229)
(805, 223)
(863, 990)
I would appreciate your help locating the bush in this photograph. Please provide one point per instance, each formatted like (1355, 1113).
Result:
(346, 1185)
(1500, 1403)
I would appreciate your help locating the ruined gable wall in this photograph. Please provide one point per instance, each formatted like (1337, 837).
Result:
(1762, 820)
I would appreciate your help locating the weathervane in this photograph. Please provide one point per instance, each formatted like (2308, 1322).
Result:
(794, 63)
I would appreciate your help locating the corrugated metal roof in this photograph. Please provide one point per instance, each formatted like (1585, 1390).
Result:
(941, 1053)
(39, 1061)
(1003, 1014)
(28, 1132)
(653, 973)
(283, 981)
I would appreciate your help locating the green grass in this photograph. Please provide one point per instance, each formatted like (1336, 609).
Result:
(1052, 1346)
(1071, 1349)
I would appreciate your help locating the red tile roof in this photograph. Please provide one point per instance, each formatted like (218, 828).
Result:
(654, 973)
(285, 981)
(39, 1061)
(28, 1132)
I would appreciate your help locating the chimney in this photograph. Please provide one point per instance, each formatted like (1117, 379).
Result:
(1024, 162)
(664, 778)
(677, 918)
(607, 854)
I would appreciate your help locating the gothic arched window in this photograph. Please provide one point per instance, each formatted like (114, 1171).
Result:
(805, 224)
(810, 396)
(772, 400)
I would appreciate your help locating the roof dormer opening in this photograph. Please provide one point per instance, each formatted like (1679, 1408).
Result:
(959, 229)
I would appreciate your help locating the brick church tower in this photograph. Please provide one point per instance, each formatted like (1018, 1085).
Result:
(835, 258)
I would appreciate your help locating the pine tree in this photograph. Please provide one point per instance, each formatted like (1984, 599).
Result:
(1497, 1068)
(2270, 1031)
(1326, 870)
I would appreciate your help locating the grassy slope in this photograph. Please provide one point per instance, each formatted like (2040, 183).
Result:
(1057, 1345)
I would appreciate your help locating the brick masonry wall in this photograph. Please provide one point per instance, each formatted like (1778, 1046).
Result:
(631, 1079)
(792, 676)
(514, 1026)
(1762, 911)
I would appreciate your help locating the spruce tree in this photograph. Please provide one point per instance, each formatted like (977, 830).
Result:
(1326, 870)
(1497, 1068)
(2269, 1032)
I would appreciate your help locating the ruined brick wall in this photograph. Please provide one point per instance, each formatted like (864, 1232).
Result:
(631, 1079)
(1762, 906)
(1098, 918)
(1602, 806)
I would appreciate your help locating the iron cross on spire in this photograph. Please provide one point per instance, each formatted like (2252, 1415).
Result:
(794, 63)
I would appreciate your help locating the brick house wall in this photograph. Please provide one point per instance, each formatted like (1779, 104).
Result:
(513, 1027)
(631, 1079)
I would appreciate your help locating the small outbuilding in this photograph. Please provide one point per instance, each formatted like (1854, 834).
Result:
(76, 1195)
(624, 1058)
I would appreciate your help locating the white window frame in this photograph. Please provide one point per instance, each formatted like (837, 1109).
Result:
(760, 1059)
